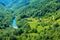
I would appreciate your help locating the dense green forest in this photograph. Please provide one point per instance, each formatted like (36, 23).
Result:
(39, 20)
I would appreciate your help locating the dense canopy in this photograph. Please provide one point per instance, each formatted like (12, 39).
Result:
(35, 19)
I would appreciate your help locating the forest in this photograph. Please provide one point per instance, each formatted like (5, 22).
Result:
(35, 20)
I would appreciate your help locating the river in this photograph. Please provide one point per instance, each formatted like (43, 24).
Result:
(14, 24)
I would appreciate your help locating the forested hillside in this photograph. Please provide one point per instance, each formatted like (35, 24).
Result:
(36, 20)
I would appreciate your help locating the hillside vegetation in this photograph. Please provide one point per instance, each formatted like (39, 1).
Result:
(39, 20)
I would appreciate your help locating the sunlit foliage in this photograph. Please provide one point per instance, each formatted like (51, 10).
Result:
(39, 20)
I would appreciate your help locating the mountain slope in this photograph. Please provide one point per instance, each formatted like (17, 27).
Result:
(39, 20)
(5, 17)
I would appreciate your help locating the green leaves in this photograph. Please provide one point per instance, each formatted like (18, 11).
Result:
(40, 20)
(5, 19)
